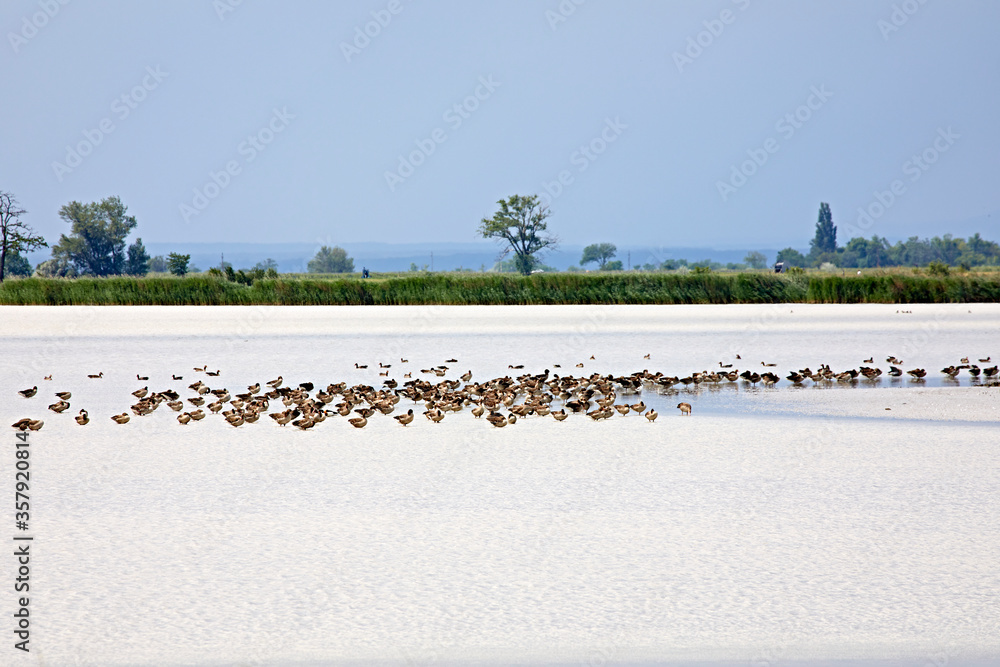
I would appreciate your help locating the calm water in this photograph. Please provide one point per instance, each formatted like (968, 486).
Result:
(741, 534)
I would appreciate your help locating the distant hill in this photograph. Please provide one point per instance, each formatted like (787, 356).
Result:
(293, 257)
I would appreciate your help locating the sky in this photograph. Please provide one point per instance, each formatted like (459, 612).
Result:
(719, 123)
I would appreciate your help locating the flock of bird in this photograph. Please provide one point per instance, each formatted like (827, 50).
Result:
(500, 401)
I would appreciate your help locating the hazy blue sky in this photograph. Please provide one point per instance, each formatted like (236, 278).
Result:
(312, 117)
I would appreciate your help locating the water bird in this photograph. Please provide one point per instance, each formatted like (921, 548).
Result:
(21, 424)
(307, 386)
(990, 372)
(405, 419)
(176, 377)
(202, 369)
(869, 361)
(35, 425)
(358, 422)
(28, 393)
(47, 377)
(559, 415)
(721, 365)
(141, 378)
(184, 417)
(763, 364)
(61, 406)
(83, 418)
(96, 377)
(360, 366)
(404, 361)
(121, 419)
(963, 360)
(275, 383)
(685, 408)
(917, 373)
(652, 415)
(197, 415)
(141, 393)
(213, 374)
(451, 361)
(895, 372)
(982, 361)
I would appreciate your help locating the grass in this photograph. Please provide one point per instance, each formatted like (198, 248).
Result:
(494, 289)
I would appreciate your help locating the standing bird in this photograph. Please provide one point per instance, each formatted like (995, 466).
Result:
(652, 415)
(685, 408)
(405, 419)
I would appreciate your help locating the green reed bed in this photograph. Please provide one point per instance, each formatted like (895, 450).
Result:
(492, 289)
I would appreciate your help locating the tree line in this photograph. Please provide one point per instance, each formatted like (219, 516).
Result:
(875, 252)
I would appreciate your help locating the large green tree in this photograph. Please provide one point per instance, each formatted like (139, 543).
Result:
(178, 263)
(96, 244)
(520, 225)
(15, 235)
(137, 260)
(331, 260)
(825, 240)
(601, 253)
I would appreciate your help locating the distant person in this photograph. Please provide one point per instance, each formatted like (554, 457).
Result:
(364, 272)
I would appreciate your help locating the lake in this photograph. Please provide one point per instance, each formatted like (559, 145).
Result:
(825, 524)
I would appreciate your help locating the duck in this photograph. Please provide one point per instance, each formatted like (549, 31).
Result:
(83, 418)
(28, 393)
(358, 422)
(121, 419)
(651, 415)
(61, 406)
(64, 395)
(405, 419)
(685, 408)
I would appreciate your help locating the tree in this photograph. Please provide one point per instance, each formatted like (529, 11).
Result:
(158, 264)
(601, 253)
(614, 266)
(791, 257)
(756, 260)
(137, 261)
(520, 223)
(825, 240)
(266, 265)
(18, 265)
(96, 245)
(331, 260)
(15, 236)
(178, 263)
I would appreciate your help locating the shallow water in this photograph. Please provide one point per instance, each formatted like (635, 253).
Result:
(743, 533)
